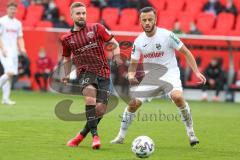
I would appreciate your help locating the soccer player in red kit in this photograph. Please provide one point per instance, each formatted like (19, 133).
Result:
(85, 45)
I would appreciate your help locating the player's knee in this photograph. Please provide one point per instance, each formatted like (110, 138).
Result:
(90, 91)
(101, 109)
(178, 99)
(90, 100)
(100, 112)
(134, 105)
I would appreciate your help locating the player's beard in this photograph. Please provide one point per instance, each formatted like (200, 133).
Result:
(81, 23)
(149, 31)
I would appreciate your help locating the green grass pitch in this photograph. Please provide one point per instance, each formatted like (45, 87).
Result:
(31, 131)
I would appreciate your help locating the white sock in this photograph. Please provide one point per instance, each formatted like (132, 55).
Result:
(3, 79)
(204, 95)
(186, 117)
(126, 121)
(6, 89)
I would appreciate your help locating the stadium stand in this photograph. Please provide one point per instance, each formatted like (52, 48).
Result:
(93, 15)
(3, 7)
(193, 7)
(21, 12)
(166, 19)
(236, 3)
(185, 18)
(110, 16)
(86, 2)
(169, 12)
(175, 5)
(236, 30)
(33, 15)
(128, 19)
(224, 24)
(159, 5)
(42, 24)
(203, 19)
(183, 11)
(63, 6)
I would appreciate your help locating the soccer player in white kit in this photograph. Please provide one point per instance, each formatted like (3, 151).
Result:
(11, 42)
(157, 46)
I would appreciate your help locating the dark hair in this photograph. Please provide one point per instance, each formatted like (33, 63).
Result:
(148, 9)
(77, 4)
(12, 4)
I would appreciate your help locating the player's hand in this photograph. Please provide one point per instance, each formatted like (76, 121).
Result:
(65, 80)
(133, 81)
(201, 77)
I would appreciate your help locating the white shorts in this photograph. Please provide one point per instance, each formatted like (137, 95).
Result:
(10, 64)
(147, 90)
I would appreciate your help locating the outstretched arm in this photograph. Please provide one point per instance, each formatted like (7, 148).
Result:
(132, 72)
(192, 63)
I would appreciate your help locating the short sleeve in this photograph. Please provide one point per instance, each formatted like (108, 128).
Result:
(104, 33)
(174, 41)
(135, 52)
(66, 51)
(20, 32)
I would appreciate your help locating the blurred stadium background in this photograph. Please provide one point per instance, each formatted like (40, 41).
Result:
(208, 35)
(31, 130)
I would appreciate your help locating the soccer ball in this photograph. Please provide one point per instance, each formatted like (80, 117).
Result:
(143, 146)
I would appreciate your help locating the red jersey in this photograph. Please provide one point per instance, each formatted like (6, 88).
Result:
(44, 64)
(87, 49)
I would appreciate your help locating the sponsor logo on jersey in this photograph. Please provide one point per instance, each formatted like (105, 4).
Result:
(154, 55)
(90, 34)
(158, 46)
(87, 47)
(11, 30)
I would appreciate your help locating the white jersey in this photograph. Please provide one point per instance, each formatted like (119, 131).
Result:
(10, 30)
(159, 49)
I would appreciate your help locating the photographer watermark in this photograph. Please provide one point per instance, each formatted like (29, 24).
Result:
(152, 74)
(157, 116)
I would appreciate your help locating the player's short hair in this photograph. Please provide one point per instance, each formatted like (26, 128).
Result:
(147, 9)
(12, 4)
(77, 4)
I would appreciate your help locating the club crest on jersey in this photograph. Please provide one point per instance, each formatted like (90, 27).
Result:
(90, 34)
(158, 46)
